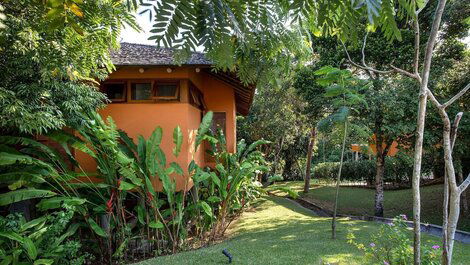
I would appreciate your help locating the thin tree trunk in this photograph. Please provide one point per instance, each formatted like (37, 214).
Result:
(313, 133)
(445, 219)
(420, 130)
(276, 157)
(333, 222)
(379, 184)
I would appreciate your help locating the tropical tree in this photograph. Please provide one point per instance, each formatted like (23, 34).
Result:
(277, 115)
(52, 52)
(318, 107)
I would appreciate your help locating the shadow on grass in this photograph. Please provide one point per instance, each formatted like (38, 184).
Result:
(280, 232)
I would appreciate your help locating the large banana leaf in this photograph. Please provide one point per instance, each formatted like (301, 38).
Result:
(177, 140)
(203, 128)
(23, 194)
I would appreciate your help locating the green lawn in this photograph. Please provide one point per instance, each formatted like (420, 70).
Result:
(280, 232)
(360, 201)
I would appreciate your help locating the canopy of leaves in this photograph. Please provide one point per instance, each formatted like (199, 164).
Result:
(51, 53)
(236, 35)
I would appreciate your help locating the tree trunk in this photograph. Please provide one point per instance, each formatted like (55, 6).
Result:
(333, 222)
(276, 156)
(379, 184)
(424, 80)
(313, 133)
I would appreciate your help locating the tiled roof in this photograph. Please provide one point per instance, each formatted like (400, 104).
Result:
(140, 54)
(131, 54)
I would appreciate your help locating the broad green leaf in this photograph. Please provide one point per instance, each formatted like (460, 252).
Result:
(177, 140)
(33, 223)
(214, 199)
(206, 208)
(156, 224)
(30, 248)
(123, 185)
(23, 194)
(44, 262)
(12, 236)
(96, 228)
(203, 128)
(177, 168)
(57, 202)
(140, 214)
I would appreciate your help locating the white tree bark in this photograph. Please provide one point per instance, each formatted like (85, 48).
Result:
(452, 190)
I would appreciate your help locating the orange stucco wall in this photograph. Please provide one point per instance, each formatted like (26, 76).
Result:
(142, 118)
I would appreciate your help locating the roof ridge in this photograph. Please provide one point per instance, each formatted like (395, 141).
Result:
(159, 47)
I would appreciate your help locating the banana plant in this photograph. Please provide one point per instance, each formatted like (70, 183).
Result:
(234, 178)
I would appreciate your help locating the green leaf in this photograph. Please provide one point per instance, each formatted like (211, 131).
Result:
(96, 228)
(44, 262)
(30, 248)
(57, 202)
(177, 140)
(215, 179)
(23, 194)
(123, 185)
(33, 223)
(12, 236)
(206, 208)
(203, 128)
(140, 214)
(214, 199)
(156, 224)
(176, 167)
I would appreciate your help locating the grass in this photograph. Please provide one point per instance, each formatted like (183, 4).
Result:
(280, 232)
(360, 201)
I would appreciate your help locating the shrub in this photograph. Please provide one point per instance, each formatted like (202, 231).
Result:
(397, 170)
(393, 245)
(45, 240)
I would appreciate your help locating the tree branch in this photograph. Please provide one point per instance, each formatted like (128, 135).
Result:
(417, 42)
(453, 131)
(434, 100)
(464, 184)
(364, 67)
(457, 96)
(401, 71)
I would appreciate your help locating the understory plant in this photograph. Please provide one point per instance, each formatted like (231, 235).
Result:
(130, 216)
(44, 240)
(392, 245)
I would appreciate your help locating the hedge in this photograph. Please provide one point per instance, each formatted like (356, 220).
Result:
(397, 170)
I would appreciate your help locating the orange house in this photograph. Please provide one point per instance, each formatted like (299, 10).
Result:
(148, 89)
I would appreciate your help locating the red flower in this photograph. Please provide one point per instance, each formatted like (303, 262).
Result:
(109, 203)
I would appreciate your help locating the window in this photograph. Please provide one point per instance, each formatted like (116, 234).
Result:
(167, 91)
(141, 91)
(115, 91)
(196, 98)
(219, 122)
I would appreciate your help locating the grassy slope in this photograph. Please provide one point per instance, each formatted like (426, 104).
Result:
(280, 232)
(359, 201)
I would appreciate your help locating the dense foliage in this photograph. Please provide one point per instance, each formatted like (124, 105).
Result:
(51, 54)
(122, 213)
